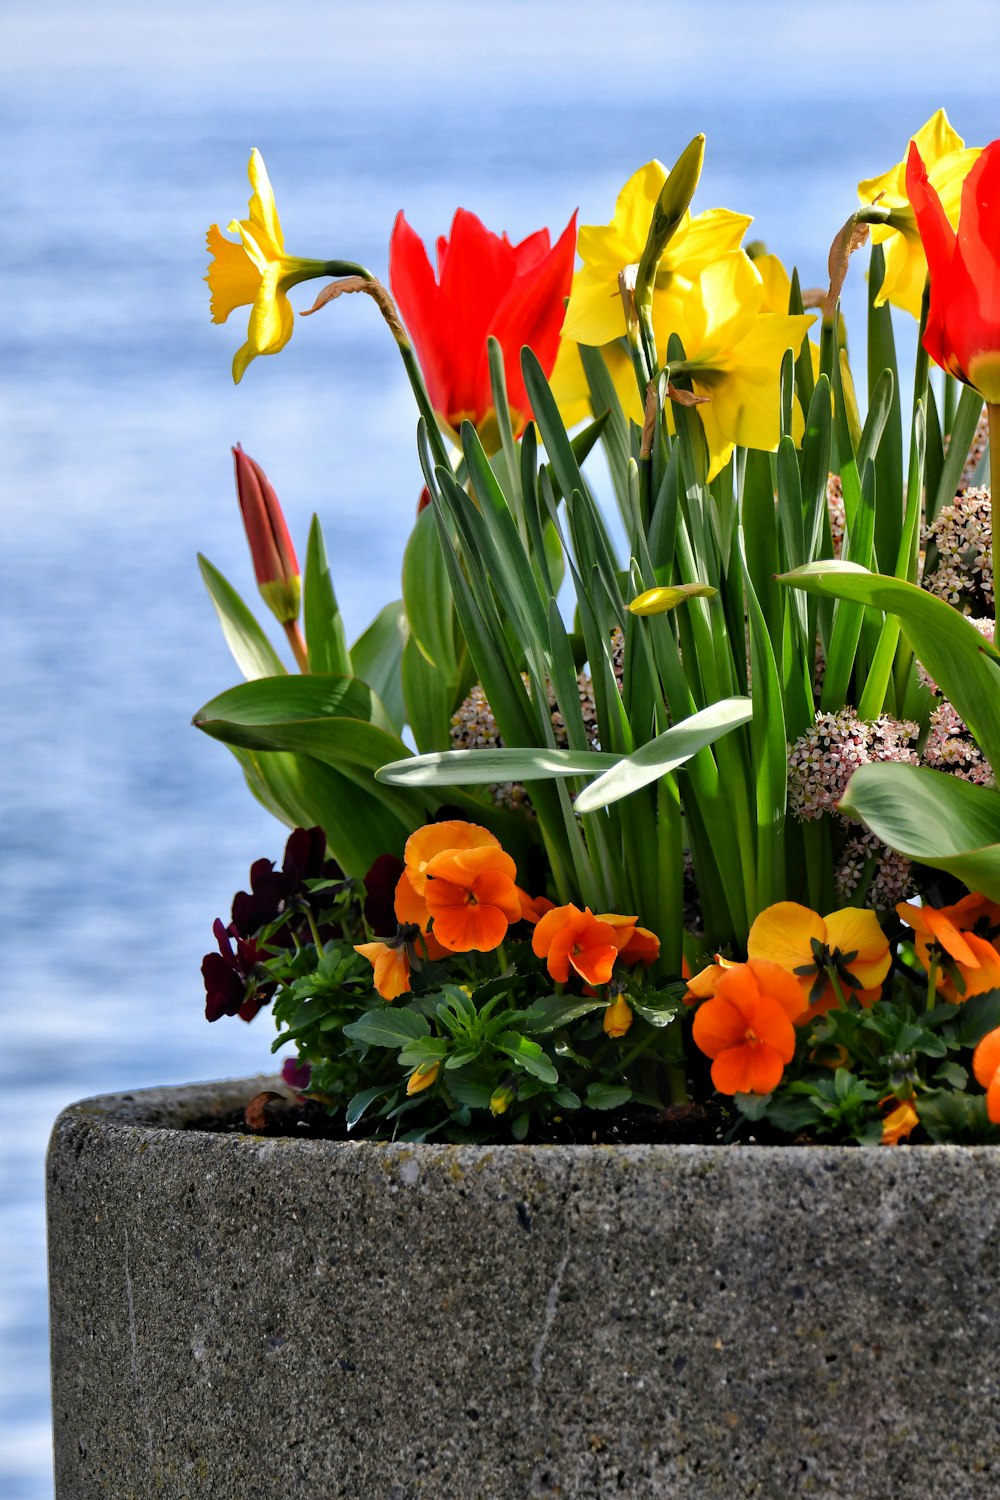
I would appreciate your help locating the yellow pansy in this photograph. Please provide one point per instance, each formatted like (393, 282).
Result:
(595, 314)
(948, 161)
(256, 272)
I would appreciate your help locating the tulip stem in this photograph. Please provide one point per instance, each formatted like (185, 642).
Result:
(297, 642)
(993, 418)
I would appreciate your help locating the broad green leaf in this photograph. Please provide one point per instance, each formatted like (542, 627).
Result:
(271, 700)
(392, 1027)
(252, 651)
(376, 656)
(527, 1055)
(554, 1011)
(965, 667)
(325, 639)
(664, 754)
(360, 1102)
(429, 696)
(483, 767)
(607, 1095)
(932, 817)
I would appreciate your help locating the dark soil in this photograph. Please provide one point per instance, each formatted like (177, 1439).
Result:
(685, 1124)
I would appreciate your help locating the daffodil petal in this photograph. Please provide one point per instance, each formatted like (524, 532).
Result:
(262, 207)
(233, 279)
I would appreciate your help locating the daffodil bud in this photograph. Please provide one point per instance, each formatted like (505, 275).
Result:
(501, 1100)
(274, 561)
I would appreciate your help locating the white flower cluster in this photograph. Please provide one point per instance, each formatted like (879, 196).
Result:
(962, 534)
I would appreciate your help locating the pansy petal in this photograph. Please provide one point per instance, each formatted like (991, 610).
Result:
(784, 934)
(859, 932)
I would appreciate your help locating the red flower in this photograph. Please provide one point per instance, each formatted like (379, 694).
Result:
(485, 285)
(963, 324)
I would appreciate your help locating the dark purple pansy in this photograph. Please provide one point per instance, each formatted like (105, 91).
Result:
(234, 981)
(296, 1073)
(380, 898)
(272, 890)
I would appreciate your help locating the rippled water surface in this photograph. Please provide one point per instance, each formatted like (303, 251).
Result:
(124, 832)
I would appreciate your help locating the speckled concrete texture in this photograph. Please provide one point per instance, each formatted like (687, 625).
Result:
(239, 1317)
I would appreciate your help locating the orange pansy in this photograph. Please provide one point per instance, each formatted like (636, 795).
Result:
(847, 945)
(960, 939)
(533, 907)
(986, 1067)
(636, 945)
(899, 1124)
(568, 937)
(436, 838)
(391, 965)
(701, 986)
(746, 1027)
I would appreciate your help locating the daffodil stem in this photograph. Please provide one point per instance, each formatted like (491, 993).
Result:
(297, 642)
(993, 417)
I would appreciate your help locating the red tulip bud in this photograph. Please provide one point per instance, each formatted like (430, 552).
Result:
(274, 560)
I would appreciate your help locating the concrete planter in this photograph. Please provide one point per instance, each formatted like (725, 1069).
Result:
(238, 1317)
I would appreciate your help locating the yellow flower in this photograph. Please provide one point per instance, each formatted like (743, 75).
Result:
(595, 314)
(948, 161)
(618, 1017)
(842, 955)
(421, 1078)
(733, 353)
(256, 272)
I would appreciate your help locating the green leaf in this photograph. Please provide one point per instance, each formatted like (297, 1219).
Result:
(658, 1010)
(752, 1106)
(967, 416)
(252, 651)
(429, 697)
(392, 1027)
(427, 596)
(607, 1095)
(554, 1011)
(360, 1102)
(665, 753)
(483, 767)
(528, 1055)
(377, 655)
(965, 667)
(324, 627)
(978, 1015)
(932, 817)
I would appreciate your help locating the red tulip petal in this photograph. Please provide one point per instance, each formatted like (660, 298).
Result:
(532, 313)
(531, 250)
(939, 246)
(423, 310)
(476, 270)
(979, 231)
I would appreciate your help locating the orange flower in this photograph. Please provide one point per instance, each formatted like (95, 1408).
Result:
(618, 1017)
(636, 945)
(960, 939)
(899, 1124)
(533, 907)
(392, 967)
(436, 838)
(746, 1027)
(986, 1066)
(471, 897)
(568, 937)
(702, 986)
(421, 1078)
(847, 945)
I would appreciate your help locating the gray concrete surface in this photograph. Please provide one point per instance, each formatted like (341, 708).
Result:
(239, 1317)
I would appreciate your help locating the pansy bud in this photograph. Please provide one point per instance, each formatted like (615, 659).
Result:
(274, 560)
(618, 1017)
(421, 1078)
(501, 1099)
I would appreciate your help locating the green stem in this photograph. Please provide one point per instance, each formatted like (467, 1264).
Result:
(993, 417)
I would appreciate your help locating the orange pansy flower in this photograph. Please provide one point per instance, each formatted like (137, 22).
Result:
(568, 937)
(392, 967)
(847, 945)
(436, 838)
(533, 907)
(636, 945)
(986, 1067)
(746, 1027)
(701, 986)
(961, 940)
(899, 1124)
(472, 898)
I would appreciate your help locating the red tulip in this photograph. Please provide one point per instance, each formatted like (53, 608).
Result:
(963, 323)
(485, 285)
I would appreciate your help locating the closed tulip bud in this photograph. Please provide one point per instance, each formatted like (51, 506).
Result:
(274, 560)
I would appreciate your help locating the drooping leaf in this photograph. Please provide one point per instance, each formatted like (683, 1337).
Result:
(252, 651)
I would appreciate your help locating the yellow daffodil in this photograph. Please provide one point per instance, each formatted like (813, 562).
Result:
(595, 314)
(733, 353)
(948, 161)
(256, 272)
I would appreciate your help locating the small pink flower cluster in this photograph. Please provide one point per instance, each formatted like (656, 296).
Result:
(962, 533)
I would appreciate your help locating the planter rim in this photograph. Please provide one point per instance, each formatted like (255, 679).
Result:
(168, 1110)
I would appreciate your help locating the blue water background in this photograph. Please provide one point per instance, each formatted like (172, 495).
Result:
(124, 832)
